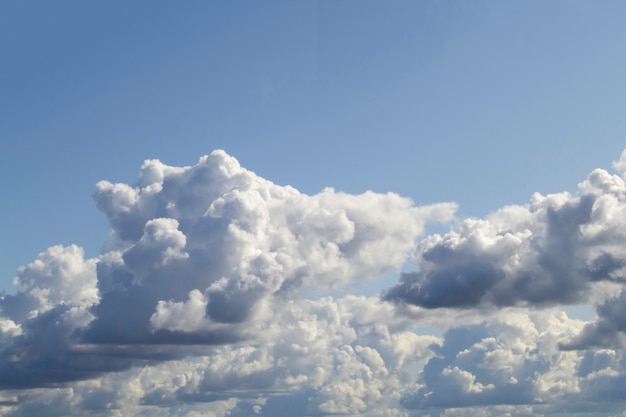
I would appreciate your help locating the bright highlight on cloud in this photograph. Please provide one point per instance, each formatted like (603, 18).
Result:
(214, 298)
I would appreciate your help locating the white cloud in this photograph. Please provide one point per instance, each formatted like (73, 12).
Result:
(201, 288)
(200, 308)
(620, 164)
(240, 240)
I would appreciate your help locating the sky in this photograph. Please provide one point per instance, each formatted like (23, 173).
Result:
(303, 208)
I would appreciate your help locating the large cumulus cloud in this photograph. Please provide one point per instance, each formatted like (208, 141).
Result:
(223, 294)
(201, 256)
(202, 249)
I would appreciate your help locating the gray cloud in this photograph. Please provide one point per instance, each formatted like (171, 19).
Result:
(547, 253)
(608, 330)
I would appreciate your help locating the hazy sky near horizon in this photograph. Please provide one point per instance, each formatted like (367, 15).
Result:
(217, 255)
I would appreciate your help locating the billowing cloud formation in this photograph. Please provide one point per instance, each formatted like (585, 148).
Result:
(201, 256)
(214, 299)
(203, 252)
(549, 252)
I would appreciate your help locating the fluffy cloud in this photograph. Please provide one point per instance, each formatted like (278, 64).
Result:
(214, 299)
(323, 357)
(510, 359)
(218, 240)
(547, 253)
(204, 278)
(59, 276)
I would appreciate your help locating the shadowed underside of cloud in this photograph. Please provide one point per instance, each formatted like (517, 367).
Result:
(199, 305)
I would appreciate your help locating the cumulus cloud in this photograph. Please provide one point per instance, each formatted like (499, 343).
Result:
(550, 252)
(510, 359)
(322, 357)
(59, 276)
(216, 239)
(223, 294)
(206, 260)
(608, 330)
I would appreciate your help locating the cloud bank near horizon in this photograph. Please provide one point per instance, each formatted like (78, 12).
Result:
(213, 298)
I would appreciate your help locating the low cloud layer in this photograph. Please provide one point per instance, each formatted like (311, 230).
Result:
(213, 298)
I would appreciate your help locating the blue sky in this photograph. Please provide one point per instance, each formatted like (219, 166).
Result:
(477, 103)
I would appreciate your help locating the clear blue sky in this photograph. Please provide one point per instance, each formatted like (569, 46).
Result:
(480, 103)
